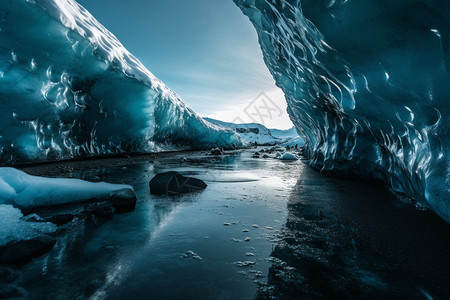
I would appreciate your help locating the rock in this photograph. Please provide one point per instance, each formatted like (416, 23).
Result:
(216, 151)
(173, 183)
(60, 219)
(21, 252)
(103, 210)
(123, 200)
(8, 275)
(9, 291)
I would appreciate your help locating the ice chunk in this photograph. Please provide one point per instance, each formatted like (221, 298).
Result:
(367, 85)
(69, 88)
(13, 227)
(288, 156)
(26, 191)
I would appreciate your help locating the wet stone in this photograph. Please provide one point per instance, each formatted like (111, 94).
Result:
(173, 183)
(123, 200)
(10, 291)
(21, 252)
(60, 219)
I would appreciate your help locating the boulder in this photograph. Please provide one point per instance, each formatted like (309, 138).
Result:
(10, 291)
(216, 151)
(21, 252)
(173, 183)
(123, 200)
(60, 219)
(103, 210)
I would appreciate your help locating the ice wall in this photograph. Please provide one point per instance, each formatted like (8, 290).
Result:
(367, 84)
(69, 88)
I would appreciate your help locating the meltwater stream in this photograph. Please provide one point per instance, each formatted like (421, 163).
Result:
(263, 228)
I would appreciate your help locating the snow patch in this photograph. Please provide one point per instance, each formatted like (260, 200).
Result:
(27, 191)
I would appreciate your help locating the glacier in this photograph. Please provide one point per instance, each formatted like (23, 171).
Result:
(255, 132)
(367, 85)
(68, 88)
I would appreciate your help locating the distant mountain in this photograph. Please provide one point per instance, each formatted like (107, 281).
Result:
(254, 132)
(292, 132)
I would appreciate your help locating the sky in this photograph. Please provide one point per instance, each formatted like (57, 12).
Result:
(205, 50)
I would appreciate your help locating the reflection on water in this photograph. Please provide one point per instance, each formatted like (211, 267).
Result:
(347, 239)
(212, 244)
(263, 227)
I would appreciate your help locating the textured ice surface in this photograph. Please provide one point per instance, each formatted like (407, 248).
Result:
(367, 85)
(23, 190)
(69, 88)
(13, 228)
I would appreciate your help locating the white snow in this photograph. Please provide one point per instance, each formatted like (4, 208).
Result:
(254, 132)
(23, 190)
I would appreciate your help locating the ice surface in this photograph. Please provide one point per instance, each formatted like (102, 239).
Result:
(69, 88)
(367, 85)
(13, 227)
(26, 191)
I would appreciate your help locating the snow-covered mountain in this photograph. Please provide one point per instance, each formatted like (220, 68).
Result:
(69, 88)
(254, 132)
(291, 132)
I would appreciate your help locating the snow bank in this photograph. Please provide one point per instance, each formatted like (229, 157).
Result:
(26, 191)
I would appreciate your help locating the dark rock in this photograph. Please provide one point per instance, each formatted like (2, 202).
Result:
(123, 200)
(8, 291)
(8, 275)
(60, 219)
(103, 210)
(21, 252)
(216, 151)
(173, 183)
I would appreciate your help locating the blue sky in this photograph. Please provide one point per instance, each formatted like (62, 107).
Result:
(205, 50)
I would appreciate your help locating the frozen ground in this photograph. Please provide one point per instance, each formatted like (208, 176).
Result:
(262, 227)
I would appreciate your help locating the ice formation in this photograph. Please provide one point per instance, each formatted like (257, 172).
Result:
(26, 191)
(367, 85)
(13, 227)
(288, 156)
(69, 88)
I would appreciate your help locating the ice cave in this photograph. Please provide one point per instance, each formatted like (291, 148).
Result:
(366, 85)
